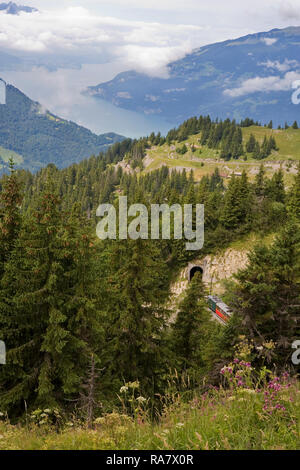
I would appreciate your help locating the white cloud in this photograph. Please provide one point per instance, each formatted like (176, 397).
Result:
(174, 90)
(152, 98)
(105, 37)
(124, 94)
(264, 84)
(78, 33)
(269, 41)
(289, 9)
(280, 66)
(152, 60)
(61, 89)
(140, 34)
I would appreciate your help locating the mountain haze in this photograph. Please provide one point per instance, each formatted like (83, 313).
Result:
(36, 137)
(252, 75)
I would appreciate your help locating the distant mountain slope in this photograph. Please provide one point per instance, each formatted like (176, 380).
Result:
(252, 75)
(40, 137)
(12, 8)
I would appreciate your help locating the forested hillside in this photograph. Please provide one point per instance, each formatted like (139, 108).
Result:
(204, 145)
(90, 332)
(199, 144)
(39, 137)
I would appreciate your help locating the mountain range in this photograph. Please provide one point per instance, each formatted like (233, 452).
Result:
(250, 76)
(35, 137)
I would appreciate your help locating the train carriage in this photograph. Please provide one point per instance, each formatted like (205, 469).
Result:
(219, 308)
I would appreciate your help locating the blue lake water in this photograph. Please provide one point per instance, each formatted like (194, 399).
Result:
(101, 116)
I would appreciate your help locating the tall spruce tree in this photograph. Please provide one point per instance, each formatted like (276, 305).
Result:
(268, 294)
(46, 310)
(237, 203)
(276, 189)
(192, 329)
(293, 204)
(10, 218)
(136, 316)
(250, 145)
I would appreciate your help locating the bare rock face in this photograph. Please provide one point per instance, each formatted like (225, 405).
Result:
(125, 167)
(216, 268)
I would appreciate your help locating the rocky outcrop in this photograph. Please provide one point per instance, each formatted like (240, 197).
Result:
(215, 269)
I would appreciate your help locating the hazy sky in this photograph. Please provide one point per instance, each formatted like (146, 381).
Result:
(140, 34)
(102, 38)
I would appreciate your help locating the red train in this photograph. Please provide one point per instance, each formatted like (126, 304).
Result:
(219, 308)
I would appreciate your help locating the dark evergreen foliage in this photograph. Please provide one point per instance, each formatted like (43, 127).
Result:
(69, 300)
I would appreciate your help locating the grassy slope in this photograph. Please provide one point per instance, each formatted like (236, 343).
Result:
(221, 420)
(204, 160)
(248, 241)
(287, 140)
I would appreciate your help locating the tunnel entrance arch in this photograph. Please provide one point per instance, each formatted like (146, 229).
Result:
(193, 270)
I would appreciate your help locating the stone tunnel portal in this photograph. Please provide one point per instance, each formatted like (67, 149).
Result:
(194, 270)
